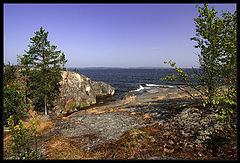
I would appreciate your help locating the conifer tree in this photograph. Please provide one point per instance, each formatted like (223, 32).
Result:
(42, 65)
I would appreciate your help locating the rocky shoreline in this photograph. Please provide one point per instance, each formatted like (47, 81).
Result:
(78, 91)
(99, 125)
(166, 117)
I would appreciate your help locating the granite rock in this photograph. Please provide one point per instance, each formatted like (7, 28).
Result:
(78, 91)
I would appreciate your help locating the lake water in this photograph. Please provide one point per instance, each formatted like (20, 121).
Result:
(130, 80)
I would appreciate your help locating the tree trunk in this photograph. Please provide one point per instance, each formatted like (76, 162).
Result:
(45, 100)
(44, 77)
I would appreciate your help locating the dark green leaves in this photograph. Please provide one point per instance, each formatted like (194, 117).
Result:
(43, 65)
(13, 103)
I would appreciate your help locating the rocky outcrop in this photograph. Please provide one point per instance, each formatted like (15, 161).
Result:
(102, 89)
(78, 91)
(194, 122)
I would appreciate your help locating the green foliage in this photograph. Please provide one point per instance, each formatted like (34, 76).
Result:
(75, 106)
(216, 38)
(13, 104)
(13, 99)
(185, 78)
(82, 105)
(75, 70)
(9, 74)
(22, 140)
(79, 105)
(216, 80)
(42, 66)
(179, 76)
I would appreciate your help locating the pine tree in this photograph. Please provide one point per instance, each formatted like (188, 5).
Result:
(42, 65)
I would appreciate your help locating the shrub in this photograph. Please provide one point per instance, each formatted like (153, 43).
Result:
(22, 140)
(13, 104)
(217, 75)
(12, 98)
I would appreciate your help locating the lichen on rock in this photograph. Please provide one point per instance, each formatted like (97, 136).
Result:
(78, 91)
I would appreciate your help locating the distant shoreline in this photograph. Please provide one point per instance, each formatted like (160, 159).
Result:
(125, 68)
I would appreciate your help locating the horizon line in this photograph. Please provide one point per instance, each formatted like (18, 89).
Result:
(112, 67)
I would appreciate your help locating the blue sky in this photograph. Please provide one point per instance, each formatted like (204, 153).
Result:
(107, 35)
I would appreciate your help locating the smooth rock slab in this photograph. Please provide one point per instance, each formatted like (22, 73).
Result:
(110, 125)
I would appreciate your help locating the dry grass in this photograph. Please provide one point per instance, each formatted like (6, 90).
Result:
(156, 140)
(133, 144)
(61, 148)
(42, 124)
(161, 97)
(97, 111)
(69, 103)
(130, 99)
(6, 145)
(94, 111)
(147, 116)
(175, 96)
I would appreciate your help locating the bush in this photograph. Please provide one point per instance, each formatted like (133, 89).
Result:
(22, 140)
(13, 104)
(12, 98)
(217, 78)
